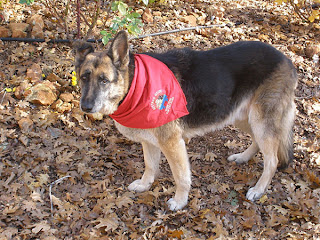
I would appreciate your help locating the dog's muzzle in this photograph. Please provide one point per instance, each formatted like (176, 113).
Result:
(87, 106)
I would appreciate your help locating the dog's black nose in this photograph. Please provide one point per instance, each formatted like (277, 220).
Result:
(87, 107)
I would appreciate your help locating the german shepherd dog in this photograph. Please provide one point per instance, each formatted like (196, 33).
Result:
(248, 84)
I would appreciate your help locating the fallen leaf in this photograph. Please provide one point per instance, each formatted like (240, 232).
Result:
(41, 226)
(111, 222)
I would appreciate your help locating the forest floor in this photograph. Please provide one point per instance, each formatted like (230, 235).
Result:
(41, 142)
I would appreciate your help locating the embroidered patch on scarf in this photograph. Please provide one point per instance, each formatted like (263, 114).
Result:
(154, 98)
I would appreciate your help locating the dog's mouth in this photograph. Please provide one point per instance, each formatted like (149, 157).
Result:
(106, 109)
(85, 110)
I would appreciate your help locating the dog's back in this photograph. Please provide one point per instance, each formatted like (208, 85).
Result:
(216, 81)
(248, 84)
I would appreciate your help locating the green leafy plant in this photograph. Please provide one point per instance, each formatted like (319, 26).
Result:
(127, 19)
(28, 2)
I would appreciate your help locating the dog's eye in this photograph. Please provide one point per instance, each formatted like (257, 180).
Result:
(86, 75)
(103, 79)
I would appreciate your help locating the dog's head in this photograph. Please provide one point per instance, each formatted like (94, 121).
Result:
(103, 76)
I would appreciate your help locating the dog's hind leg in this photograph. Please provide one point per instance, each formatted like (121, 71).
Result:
(274, 137)
(270, 124)
(246, 155)
(271, 117)
(269, 148)
(250, 151)
(151, 158)
(265, 125)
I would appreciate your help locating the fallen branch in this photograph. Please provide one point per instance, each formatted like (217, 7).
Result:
(4, 94)
(50, 188)
(178, 30)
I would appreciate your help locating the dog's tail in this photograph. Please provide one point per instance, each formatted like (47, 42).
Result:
(285, 150)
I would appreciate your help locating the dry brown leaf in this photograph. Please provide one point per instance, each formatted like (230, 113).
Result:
(210, 156)
(41, 226)
(111, 222)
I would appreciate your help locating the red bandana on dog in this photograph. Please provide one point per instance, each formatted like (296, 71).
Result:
(154, 98)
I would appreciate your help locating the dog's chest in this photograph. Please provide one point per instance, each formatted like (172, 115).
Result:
(137, 135)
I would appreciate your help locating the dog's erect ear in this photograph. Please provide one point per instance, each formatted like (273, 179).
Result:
(82, 49)
(119, 50)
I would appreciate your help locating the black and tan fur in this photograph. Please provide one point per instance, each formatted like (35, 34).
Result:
(248, 84)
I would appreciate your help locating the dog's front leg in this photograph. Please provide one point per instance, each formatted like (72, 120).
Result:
(175, 151)
(151, 155)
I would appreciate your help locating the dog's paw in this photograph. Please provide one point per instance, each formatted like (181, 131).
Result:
(254, 194)
(139, 186)
(238, 158)
(175, 205)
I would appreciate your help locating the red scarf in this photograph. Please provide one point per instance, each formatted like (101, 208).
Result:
(154, 98)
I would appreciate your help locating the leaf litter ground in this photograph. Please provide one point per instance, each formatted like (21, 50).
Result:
(40, 144)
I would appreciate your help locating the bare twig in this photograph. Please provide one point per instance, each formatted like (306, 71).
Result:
(50, 6)
(312, 95)
(107, 18)
(84, 19)
(308, 7)
(178, 30)
(78, 18)
(94, 19)
(4, 94)
(66, 13)
(297, 10)
(50, 188)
